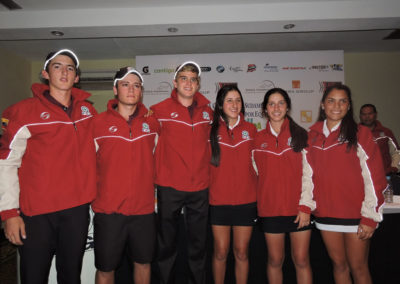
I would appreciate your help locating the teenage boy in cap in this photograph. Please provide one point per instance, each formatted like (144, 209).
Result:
(182, 171)
(124, 206)
(48, 173)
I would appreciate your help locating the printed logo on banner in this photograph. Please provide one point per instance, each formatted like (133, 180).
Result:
(325, 84)
(251, 68)
(320, 68)
(270, 68)
(236, 69)
(295, 84)
(163, 88)
(306, 116)
(220, 68)
(219, 85)
(294, 68)
(205, 68)
(263, 87)
(164, 70)
(337, 67)
(145, 70)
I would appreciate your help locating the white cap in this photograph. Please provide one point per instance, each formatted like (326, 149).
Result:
(129, 70)
(186, 63)
(62, 51)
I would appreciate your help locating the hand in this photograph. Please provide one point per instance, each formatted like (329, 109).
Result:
(14, 230)
(365, 232)
(303, 219)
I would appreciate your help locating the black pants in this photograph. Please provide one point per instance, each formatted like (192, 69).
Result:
(63, 234)
(195, 206)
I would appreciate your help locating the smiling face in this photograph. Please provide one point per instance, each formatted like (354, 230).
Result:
(129, 90)
(276, 108)
(186, 84)
(335, 105)
(232, 106)
(61, 73)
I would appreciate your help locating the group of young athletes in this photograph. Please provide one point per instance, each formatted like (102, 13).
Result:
(58, 156)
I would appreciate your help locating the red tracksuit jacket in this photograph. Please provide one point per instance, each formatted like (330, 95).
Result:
(125, 165)
(280, 189)
(234, 181)
(47, 159)
(347, 184)
(182, 154)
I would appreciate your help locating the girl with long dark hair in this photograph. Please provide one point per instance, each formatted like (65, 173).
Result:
(284, 201)
(232, 184)
(348, 180)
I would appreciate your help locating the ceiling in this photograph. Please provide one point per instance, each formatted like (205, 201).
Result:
(103, 29)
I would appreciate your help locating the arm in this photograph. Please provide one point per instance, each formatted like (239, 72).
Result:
(306, 203)
(374, 179)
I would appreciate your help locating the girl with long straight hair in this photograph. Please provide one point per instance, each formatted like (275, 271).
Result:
(284, 201)
(232, 184)
(348, 181)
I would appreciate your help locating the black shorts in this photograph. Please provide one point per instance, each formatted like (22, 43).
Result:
(114, 232)
(233, 215)
(281, 224)
(337, 224)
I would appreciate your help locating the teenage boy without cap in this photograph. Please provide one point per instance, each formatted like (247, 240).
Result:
(124, 205)
(47, 173)
(182, 166)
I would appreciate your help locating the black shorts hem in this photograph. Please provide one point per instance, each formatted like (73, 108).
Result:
(281, 224)
(233, 215)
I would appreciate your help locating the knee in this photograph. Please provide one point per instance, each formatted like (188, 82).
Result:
(104, 275)
(275, 261)
(359, 268)
(301, 261)
(220, 254)
(241, 254)
(341, 266)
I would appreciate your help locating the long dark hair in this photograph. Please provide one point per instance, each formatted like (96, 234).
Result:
(298, 133)
(218, 114)
(348, 127)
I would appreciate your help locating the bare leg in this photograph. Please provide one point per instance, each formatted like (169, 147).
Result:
(104, 277)
(241, 239)
(221, 248)
(300, 244)
(142, 272)
(335, 244)
(276, 255)
(357, 255)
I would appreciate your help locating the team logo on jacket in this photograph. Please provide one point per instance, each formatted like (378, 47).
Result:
(113, 129)
(245, 134)
(45, 115)
(145, 127)
(85, 111)
(289, 141)
(174, 114)
(219, 137)
(206, 115)
(263, 145)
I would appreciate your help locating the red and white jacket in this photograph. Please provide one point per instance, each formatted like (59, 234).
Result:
(234, 181)
(348, 184)
(47, 159)
(281, 190)
(125, 165)
(388, 146)
(182, 153)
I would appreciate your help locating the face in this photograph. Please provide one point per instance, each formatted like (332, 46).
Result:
(336, 105)
(367, 116)
(276, 108)
(187, 84)
(129, 90)
(232, 106)
(62, 73)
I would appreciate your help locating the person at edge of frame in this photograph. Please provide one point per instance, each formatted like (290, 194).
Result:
(182, 172)
(48, 173)
(284, 198)
(124, 206)
(232, 184)
(348, 181)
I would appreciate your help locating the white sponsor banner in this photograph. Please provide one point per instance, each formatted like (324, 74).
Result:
(302, 74)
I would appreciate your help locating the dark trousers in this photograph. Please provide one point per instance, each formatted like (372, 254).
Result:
(195, 205)
(63, 234)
